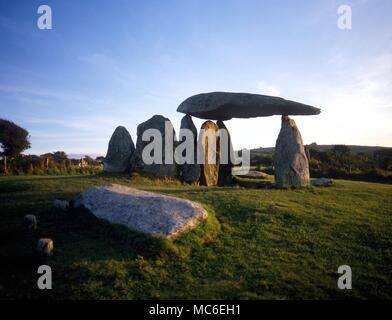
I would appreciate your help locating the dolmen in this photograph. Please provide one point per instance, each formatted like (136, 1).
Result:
(211, 158)
(290, 161)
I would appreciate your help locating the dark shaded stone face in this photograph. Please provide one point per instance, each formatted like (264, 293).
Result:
(167, 169)
(225, 177)
(190, 172)
(227, 105)
(120, 150)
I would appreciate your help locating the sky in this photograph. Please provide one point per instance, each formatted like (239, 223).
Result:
(110, 63)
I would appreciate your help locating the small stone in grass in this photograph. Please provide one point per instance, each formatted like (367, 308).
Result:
(321, 182)
(45, 246)
(61, 204)
(30, 222)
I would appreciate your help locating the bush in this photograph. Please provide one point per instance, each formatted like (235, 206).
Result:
(339, 162)
(51, 164)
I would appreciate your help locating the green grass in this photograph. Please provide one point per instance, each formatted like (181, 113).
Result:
(256, 243)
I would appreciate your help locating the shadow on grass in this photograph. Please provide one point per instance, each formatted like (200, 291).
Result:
(30, 178)
(13, 187)
(106, 240)
(78, 237)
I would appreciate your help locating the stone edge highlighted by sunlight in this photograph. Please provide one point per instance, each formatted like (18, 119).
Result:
(143, 211)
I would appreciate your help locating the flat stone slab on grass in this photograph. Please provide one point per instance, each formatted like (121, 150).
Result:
(143, 211)
(251, 173)
(321, 182)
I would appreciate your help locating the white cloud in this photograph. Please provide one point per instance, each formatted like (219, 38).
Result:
(354, 105)
(355, 101)
(267, 89)
(26, 92)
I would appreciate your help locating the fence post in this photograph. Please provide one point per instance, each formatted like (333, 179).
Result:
(5, 165)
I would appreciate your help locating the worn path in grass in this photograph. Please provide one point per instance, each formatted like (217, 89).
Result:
(257, 243)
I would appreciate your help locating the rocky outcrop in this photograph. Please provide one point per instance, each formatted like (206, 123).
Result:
(290, 160)
(209, 152)
(227, 105)
(190, 172)
(143, 211)
(120, 150)
(158, 158)
(225, 156)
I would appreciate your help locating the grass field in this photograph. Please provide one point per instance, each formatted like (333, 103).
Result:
(256, 244)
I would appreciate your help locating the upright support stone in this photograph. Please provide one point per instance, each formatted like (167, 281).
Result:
(120, 150)
(164, 166)
(290, 160)
(209, 147)
(226, 155)
(190, 172)
(307, 151)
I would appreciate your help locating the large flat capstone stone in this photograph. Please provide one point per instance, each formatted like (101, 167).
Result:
(227, 105)
(143, 211)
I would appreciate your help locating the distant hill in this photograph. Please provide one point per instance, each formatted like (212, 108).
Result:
(353, 148)
(324, 147)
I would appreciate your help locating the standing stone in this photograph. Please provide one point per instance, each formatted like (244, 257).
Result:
(290, 160)
(307, 152)
(209, 145)
(165, 167)
(120, 150)
(190, 172)
(226, 155)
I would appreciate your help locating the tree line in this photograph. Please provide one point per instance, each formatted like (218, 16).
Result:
(15, 139)
(339, 162)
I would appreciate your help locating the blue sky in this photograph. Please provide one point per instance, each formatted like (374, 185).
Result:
(110, 63)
